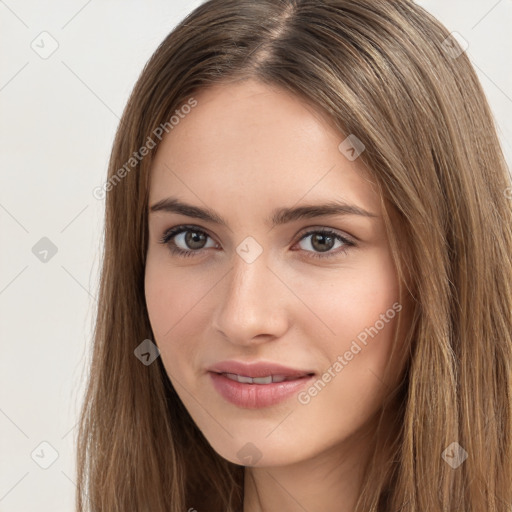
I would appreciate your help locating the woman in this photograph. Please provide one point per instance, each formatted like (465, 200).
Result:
(306, 297)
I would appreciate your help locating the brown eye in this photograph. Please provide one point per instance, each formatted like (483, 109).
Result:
(323, 241)
(195, 239)
(186, 240)
(190, 241)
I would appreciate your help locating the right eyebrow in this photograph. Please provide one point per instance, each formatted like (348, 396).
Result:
(279, 216)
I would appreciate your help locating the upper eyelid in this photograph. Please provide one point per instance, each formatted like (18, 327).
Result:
(307, 231)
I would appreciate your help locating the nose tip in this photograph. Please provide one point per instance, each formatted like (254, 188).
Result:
(251, 305)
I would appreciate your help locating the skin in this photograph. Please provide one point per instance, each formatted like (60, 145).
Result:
(244, 150)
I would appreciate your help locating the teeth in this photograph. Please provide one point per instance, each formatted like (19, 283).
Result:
(257, 380)
(262, 380)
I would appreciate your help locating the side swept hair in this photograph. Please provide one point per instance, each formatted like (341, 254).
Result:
(379, 70)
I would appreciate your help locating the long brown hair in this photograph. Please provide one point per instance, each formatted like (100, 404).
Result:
(381, 70)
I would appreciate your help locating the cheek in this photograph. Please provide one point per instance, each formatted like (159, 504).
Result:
(175, 301)
(358, 310)
(351, 299)
(170, 294)
(160, 302)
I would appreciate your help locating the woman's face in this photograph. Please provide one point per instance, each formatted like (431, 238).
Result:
(266, 285)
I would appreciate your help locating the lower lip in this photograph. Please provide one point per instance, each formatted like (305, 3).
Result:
(256, 396)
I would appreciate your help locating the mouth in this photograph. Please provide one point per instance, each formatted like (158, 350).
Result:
(258, 370)
(257, 385)
(269, 379)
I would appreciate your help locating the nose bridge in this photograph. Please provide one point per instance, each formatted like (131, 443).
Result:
(250, 302)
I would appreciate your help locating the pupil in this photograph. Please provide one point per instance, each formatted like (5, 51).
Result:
(193, 237)
(322, 247)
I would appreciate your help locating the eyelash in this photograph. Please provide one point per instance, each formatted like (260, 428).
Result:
(171, 233)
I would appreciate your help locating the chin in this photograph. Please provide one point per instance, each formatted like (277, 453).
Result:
(266, 453)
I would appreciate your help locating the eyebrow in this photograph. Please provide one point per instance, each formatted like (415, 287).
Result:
(278, 217)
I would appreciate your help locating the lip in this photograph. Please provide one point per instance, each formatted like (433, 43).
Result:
(257, 369)
(256, 396)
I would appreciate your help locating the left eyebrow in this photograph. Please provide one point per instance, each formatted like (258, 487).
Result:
(279, 216)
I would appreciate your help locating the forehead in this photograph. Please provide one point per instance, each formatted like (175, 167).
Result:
(248, 140)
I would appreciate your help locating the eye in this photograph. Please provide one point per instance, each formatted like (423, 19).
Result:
(323, 240)
(190, 241)
(190, 238)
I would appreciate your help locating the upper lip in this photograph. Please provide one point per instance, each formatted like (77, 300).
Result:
(257, 369)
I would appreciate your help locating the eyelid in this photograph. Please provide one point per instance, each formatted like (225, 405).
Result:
(348, 240)
(304, 231)
(319, 229)
(180, 228)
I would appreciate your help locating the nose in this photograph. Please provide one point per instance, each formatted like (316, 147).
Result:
(252, 304)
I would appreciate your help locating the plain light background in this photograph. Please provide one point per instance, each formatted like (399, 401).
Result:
(58, 117)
